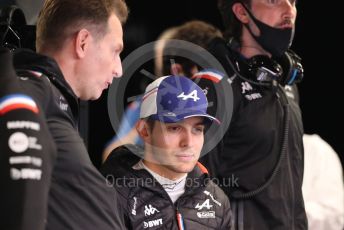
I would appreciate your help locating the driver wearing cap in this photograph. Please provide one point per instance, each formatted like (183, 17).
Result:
(163, 186)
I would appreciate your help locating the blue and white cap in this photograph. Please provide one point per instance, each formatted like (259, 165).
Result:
(172, 99)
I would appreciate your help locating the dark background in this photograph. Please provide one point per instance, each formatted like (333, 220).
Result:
(318, 44)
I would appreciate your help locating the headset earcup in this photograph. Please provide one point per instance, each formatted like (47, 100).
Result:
(285, 62)
(292, 68)
(264, 69)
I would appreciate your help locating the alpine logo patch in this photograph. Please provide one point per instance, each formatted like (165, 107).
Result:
(205, 204)
(193, 95)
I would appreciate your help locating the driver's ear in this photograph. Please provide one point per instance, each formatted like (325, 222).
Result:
(143, 130)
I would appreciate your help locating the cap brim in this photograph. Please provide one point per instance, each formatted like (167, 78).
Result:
(210, 118)
(180, 117)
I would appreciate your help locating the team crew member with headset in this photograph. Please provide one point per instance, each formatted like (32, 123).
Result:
(262, 147)
(168, 189)
(78, 46)
(26, 154)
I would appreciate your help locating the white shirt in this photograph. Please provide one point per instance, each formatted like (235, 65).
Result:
(174, 188)
(323, 189)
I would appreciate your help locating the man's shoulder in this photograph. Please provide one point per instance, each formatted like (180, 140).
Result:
(123, 156)
(118, 168)
(32, 77)
(37, 72)
(37, 85)
(213, 185)
(211, 188)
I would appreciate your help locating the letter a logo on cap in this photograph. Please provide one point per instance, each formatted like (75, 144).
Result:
(192, 95)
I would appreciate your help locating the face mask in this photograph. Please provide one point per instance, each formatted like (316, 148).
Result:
(275, 41)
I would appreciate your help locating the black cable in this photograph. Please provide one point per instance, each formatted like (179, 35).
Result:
(283, 152)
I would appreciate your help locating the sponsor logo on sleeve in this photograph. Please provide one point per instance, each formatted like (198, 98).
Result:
(25, 173)
(36, 161)
(23, 125)
(19, 142)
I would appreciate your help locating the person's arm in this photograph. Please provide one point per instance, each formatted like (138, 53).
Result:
(130, 138)
(123, 209)
(26, 151)
(227, 215)
(127, 133)
(323, 188)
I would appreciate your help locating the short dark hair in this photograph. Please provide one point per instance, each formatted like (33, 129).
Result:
(197, 32)
(151, 123)
(59, 18)
(233, 27)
